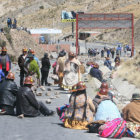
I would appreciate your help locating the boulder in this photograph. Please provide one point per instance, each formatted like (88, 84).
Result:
(48, 101)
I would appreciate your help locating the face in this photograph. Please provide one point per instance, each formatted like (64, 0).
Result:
(24, 53)
(71, 57)
(4, 52)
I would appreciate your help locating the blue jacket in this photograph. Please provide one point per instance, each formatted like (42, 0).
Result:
(1, 75)
(107, 111)
(108, 64)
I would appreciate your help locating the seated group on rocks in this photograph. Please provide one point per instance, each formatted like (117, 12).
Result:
(23, 99)
(101, 114)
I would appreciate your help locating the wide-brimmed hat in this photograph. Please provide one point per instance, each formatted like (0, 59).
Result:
(71, 54)
(103, 91)
(136, 96)
(62, 53)
(104, 85)
(78, 87)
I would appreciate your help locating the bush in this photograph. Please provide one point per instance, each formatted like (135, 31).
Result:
(6, 30)
(7, 34)
(41, 7)
(2, 43)
(9, 38)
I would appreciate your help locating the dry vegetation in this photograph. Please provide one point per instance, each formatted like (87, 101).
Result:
(130, 70)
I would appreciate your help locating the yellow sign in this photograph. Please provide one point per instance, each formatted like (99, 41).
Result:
(68, 20)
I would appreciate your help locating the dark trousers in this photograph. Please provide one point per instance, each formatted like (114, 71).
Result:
(5, 72)
(43, 109)
(22, 74)
(44, 77)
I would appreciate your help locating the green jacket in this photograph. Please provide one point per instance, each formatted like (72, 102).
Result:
(34, 68)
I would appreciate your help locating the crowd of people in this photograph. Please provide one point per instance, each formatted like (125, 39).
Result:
(22, 98)
(81, 112)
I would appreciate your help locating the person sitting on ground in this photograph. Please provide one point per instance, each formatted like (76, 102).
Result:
(97, 100)
(45, 69)
(108, 63)
(95, 72)
(2, 75)
(60, 67)
(81, 109)
(8, 91)
(27, 105)
(5, 62)
(131, 113)
(33, 69)
(107, 109)
(117, 60)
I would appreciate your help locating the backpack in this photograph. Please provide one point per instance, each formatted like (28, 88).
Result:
(113, 129)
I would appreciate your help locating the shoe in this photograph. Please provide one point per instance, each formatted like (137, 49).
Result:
(48, 84)
(21, 116)
(2, 111)
(51, 113)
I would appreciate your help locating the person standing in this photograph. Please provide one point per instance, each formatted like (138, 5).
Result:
(8, 91)
(5, 62)
(33, 69)
(21, 61)
(45, 69)
(102, 53)
(117, 60)
(60, 67)
(26, 103)
(72, 73)
(108, 63)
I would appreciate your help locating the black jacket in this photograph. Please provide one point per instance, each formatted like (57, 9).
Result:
(8, 91)
(45, 64)
(94, 72)
(21, 61)
(27, 103)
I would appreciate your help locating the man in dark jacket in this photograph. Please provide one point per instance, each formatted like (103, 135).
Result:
(95, 72)
(27, 105)
(5, 62)
(21, 61)
(45, 69)
(8, 91)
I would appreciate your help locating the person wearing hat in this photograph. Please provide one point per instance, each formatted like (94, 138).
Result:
(21, 61)
(27, 105)
(5, 62)
(8, 91)
(35, 58)
(117, 60)
(108, 63)
(81, 109)
(45, 69)
(131, 112)
(60, 67)
(72, 74)
(98, 98)
(95, 72)
(33, 68)
(106, 109)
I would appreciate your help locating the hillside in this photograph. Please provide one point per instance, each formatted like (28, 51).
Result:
(19, 40)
